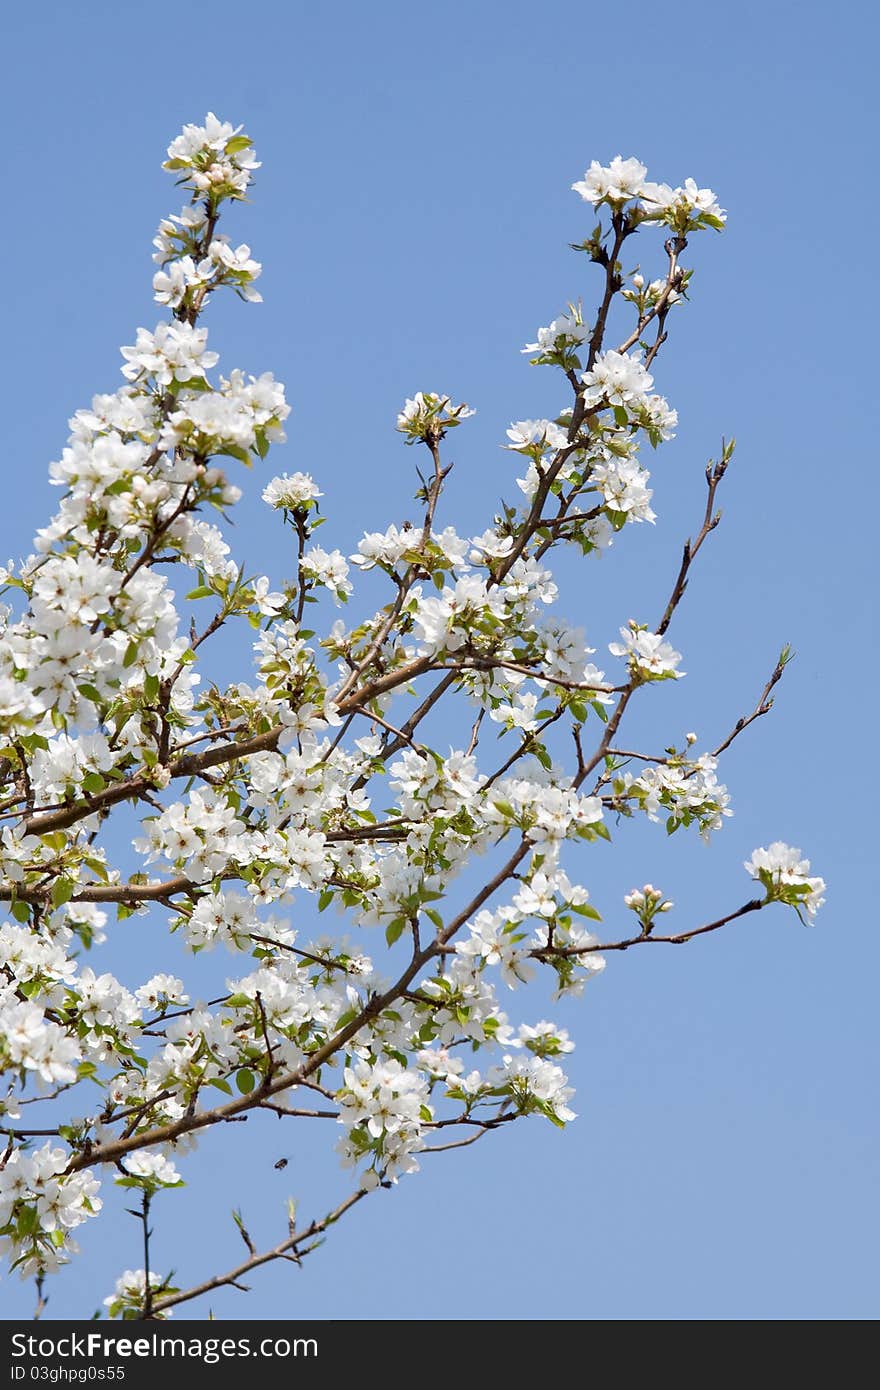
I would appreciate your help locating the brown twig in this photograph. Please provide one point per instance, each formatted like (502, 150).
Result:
(645, 938)
(285, 1249)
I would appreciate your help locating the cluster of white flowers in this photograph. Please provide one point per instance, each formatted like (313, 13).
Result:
(535, 1086)
(31, 1042)
(786, 877)
(535, 438)
(127, 1298)
(614, 183)
(40, 1203)
(215, 159)
(649, 656)
(684, 209)
(241, 416)
(682, 792)
(427, 416)
(203, 836)
(624, 486)
(557, 344)
(291, 491)
(161, 991)
(546, 894)
(173, 352)
(149, 1171)
(328, 569)
(385, 548)
(618, 378)
(384, 1106)
(223, 265)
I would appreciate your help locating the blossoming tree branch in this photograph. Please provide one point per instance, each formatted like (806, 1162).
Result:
(317, 775)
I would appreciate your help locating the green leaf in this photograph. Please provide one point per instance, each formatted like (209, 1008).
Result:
(21, 912)
(62, 891)
(394, 930)
(236, 452)
(28, 1221)
(245, 1081)
(131, 654)
(586, 910)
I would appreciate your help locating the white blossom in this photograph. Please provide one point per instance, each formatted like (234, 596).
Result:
(786, 877)
(614, 183)
(153, 1170)
(427, 414)
(649, 656)
(291, 490)
(617, 378)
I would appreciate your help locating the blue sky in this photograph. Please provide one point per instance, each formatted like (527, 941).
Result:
(412, 217)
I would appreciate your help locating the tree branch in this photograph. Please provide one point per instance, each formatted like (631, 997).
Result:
(286, 1249)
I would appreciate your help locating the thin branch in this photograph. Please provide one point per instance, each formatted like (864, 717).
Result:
(476, 662)
(285, 1112)
(456, 1143)
(432, 497)
(525, 745)
(399, 734)
(475, 731)
(42, 1297)
(29, 1133)
(764, 705)
(285, 1249)
(646, 938)
(714, 474)
(264, 1029)
(659, 310)
(145, 1221)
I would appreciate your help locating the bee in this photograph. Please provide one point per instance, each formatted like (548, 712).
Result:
(282, 1163)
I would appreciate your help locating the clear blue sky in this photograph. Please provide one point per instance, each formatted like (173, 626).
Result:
(412, 217)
